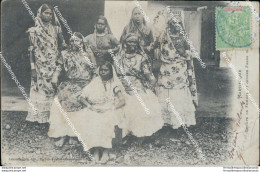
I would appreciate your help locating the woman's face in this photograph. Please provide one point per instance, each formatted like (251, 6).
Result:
(174, 27)
(75, 42)
(47, 15)
(137, 16)
(101, 25)
(105, 73)
(131, 46)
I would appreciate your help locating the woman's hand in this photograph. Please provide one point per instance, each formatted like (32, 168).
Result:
(34, 75)
(54, 80)
(64, 46)
(190, 80)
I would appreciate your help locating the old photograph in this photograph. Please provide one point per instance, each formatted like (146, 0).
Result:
(129, 83)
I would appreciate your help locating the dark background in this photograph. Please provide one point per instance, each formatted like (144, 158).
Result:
(15, 21)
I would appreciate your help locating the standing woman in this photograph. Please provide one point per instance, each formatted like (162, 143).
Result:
(142, 111)
(45, 41)
(78, 74)
(102, 42)
(138, 26)
(176, 79)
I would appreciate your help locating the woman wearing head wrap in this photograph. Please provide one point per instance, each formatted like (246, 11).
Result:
(142, 111)
(176, 80)
(138, 26)
(102, 42)
(45, 40)
(78, 74)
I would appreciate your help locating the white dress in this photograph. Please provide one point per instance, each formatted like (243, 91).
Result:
(139, 100)
(96, 129)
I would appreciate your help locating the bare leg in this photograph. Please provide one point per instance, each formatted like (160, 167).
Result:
(105, 156)
(73, 141)
(96, 154)
(60, 142)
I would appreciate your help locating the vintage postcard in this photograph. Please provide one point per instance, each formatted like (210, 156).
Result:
(129, 83)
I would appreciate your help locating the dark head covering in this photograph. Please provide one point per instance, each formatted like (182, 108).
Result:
(134, 37)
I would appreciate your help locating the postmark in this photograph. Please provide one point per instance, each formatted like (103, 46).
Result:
(233, 27)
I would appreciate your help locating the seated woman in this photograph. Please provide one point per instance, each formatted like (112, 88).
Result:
(78, 74)
(143, 112)
(104, 100)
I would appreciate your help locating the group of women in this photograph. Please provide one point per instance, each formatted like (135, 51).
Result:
(96, 99)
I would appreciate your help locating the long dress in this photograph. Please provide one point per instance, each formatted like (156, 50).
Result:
(44, 48)
(139, 99)
(105, 42)
(173, 82)
(96, 129)
(78, 75)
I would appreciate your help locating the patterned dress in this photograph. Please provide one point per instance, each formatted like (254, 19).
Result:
(173, 82)
(78, 75)
(139, 99)
(44, 48)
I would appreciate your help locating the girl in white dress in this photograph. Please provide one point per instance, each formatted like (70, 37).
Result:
(104, 100)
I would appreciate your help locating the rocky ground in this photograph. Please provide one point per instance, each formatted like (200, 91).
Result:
(24, 143)
(28, 144)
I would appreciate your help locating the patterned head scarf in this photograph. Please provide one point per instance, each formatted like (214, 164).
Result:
(132, 37)
(131, 26)
(39, 22)
(81, 37)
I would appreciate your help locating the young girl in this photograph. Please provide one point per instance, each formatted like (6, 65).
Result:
(104, 100)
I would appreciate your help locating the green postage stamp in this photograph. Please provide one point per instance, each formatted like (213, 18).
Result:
(233, 27)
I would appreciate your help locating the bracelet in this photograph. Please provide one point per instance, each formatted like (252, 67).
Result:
(30, 48)
(32, 66)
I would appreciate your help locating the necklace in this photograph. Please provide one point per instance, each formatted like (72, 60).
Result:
(130, 60)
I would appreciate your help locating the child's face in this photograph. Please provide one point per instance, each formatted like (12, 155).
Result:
(105, 73)
(101, 25)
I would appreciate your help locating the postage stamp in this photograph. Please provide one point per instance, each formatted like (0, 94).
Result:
(233, 27)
